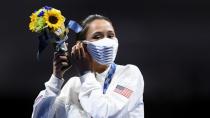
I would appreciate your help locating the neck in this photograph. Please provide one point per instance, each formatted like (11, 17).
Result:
(99, 68)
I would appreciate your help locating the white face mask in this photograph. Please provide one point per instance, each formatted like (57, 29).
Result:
(103, 51)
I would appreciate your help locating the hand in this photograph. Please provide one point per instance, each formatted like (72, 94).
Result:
(61, 63)
(81, 57)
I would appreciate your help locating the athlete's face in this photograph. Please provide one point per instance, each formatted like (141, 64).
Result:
(99, 29)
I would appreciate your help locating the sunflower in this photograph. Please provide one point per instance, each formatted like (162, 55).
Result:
(33, 17)
(54, 19)
(32, 24)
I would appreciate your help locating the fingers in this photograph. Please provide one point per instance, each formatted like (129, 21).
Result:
(73, 51)
(81, 57)
(78, 51)
(61, 55)
(82, 50)
(61, 60)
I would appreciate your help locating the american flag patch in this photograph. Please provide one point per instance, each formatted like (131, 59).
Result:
(123, 91)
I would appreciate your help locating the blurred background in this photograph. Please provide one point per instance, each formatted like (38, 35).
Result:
(168, 40)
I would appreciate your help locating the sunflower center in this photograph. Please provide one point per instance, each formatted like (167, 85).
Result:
(53, 19)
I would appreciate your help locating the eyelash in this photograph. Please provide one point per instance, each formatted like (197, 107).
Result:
(99, 36)
(110, 36)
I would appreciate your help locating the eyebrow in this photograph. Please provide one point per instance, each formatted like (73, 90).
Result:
(97, 32)
(110, 31)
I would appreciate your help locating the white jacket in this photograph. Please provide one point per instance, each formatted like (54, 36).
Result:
(82, 97)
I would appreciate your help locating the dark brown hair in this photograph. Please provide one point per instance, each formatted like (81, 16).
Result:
(86, 22)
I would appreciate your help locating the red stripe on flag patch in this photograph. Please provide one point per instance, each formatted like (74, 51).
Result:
(123, 91)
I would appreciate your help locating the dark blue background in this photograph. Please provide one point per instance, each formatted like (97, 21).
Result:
(168, 40)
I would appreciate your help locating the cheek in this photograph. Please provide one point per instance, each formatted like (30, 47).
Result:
(90, 39)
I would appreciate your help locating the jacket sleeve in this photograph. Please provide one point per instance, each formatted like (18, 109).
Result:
(44, 103)
(100, 105)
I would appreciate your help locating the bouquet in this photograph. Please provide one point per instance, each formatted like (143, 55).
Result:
(49, 22)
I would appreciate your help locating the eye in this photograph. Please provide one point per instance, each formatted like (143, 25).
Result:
(98, 35)
(111, 35)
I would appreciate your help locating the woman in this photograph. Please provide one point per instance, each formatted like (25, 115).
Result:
(103, 89)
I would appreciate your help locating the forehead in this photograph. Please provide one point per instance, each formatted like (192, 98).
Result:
(100, 25)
